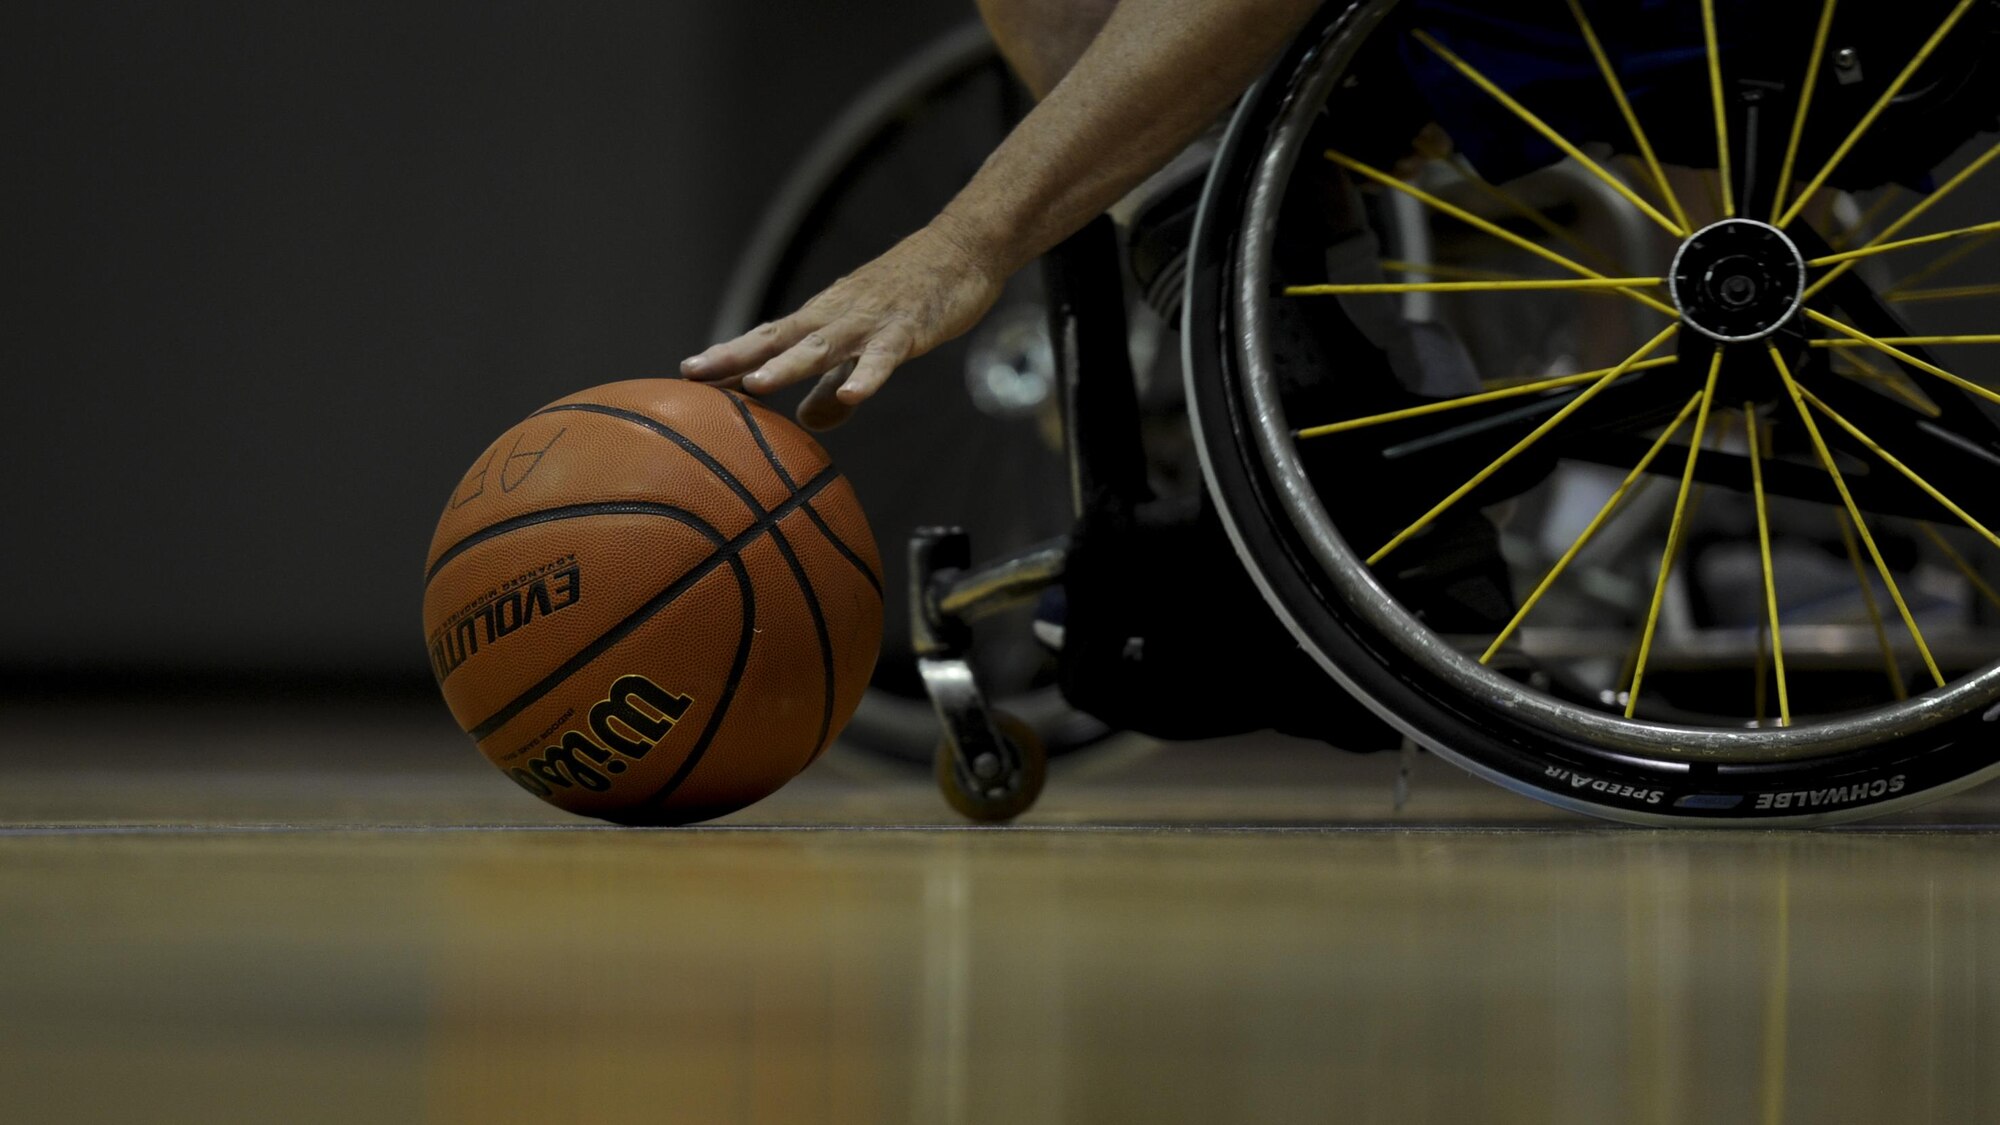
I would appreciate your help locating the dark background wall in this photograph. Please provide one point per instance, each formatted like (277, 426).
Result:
(281, 270)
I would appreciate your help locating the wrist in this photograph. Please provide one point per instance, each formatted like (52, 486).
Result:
(985, 246)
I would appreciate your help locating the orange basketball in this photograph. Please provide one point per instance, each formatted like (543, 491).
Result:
(653, 602)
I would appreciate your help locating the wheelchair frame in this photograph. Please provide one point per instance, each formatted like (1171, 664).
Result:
(989, 775)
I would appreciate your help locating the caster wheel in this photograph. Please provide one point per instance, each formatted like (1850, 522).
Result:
(1004, 796)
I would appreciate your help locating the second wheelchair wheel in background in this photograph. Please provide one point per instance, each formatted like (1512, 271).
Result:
(972, 434)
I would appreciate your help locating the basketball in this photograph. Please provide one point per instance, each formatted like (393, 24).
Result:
(653, 602)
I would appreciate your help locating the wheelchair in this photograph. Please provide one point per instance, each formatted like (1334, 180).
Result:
(1666, 512)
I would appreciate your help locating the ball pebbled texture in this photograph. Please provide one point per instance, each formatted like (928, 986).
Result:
(653, 602)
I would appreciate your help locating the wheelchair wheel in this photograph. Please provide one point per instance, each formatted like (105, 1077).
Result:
(973, 432)
(990, 803)
(1700, 533)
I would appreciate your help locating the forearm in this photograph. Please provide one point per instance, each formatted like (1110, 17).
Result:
(1159, 72)
(1151, 80)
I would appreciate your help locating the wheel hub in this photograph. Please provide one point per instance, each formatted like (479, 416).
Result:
(1010, 366)
(1738, 280)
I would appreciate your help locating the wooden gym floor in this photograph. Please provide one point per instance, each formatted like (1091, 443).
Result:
(339, 912)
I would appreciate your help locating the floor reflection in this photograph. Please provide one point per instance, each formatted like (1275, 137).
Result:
(1551, 974)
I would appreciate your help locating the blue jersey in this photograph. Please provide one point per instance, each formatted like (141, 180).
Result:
(1534, 50)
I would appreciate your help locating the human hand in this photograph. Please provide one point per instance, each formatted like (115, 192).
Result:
(925, 290)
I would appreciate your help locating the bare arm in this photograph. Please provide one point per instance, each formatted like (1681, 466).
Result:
(1157, 74)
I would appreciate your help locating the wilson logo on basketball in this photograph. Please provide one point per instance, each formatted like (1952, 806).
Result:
(628, 722)
(500, 611)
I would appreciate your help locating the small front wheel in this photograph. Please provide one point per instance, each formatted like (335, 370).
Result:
(991, 787)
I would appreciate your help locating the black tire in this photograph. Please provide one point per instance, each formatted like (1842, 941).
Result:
(1002, 803)
(928, 452)
(1833, 767)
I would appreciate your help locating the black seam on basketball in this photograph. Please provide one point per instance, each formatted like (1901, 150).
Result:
(798, 572)
(771, 455)
(568, 512)
(744, 639)
(757, 435)
(661, 428)
(724, 550)
(819, 626)
(846, 552)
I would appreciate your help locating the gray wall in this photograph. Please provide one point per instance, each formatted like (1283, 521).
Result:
(281, 270)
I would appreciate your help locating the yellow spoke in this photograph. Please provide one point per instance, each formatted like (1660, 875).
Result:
(1875, 248)
(1805, 103)
(1763, 639)
(1631, 119)
(1903, 356)
(1632, 497)
(1891, 461)
(1513, 203)
(1503, 234)
(1940, 264)
(1529, 286)
(1436, 269)
(1750, 428)
(1625, 669)
(1973, 576)
(1867, 218)
(1854, 511)
(1861, 127)
(1721, 124)
(1949, 293)
(1534, 436)
(1629, 670)
(1549, 134)
(1912, 215)
(1896, 686)
(1590, 530)
(1909, 341)
(1706, 400)
(1475, 399)
(1897, 384)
